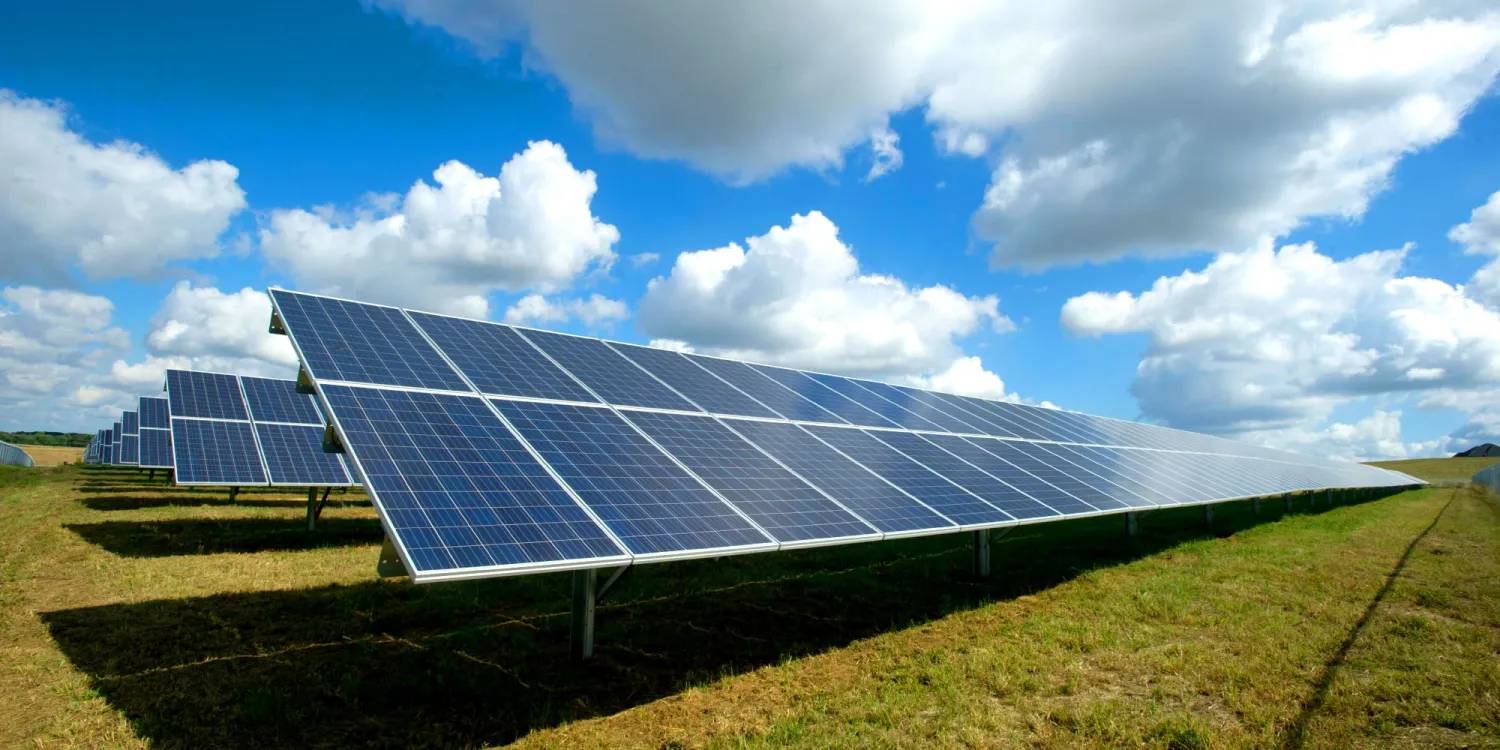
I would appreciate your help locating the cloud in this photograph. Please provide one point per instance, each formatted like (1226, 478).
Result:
(1113, 131)
(1274, 340)
(447, 246)
(206, 324)
(795, 295)
(593, 311)
(1377, 436)
(966, 376)
(641, 260)
(1480, 235)
(51, 340)
(885, 148)
(108, 210)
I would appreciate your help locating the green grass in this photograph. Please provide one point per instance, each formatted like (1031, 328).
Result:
(135, 615)
(1440, 470)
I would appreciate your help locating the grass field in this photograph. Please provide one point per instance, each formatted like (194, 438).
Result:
(142, 615)
(1439, 469)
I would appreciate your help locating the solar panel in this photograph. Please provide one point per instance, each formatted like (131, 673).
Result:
(154, 413)
(156, 448)
(930, 452)
(697, 384)
(789, 509)
(764, 390)
(131, 422)
(212, 452)
(645, 498)
(498, 361)
(884, 505)
(938, 492)
(278, 401)
(361, 343)
(294, 456)
(805, 386)
(458, 492)
(691, 455)
(205, 395)
(130, 449)
(118, 434)
(607, 373)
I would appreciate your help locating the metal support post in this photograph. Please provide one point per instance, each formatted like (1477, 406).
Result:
(233, 493)
(314, 508)
(1289, 502)
(582, 635)
(1208, 515)
(1255, 506)
(1131, 524)
(982, 553)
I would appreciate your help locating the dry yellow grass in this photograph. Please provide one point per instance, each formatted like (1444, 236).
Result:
(53, 455)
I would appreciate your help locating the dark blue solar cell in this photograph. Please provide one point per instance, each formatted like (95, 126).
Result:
(785, 506)
(130, 449)
(497, 360)
(213, 452)
(698, 385)
(457, 488)
(131, 422)
(645, 498)
(616, 379)
(878, 404)
(925, 405)
(360, 343)
(764, 390)
(1127, 469)
(154, 413)
(1010, 474)
(1122, 489)
(116, 434)
(1047, 421)
(1006, 419)
(988, 423)
(868, 496)
(824, 396)
(210, 395)
(1087, 428)
(1048, 469)
(942, 495)
(278, 401)
(156, 448)
(964, 474)
(295, 456)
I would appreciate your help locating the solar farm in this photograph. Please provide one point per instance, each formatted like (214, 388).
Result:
(571, 541)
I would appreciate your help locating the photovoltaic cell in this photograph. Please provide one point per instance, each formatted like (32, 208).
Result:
(804, 386)
(869, 400)
(130, 447)
(765, 390)
(156, 448)
(607, 373)
(867, 495)
(785, 506)
(205, 394)
(154, 413)
(921, 482)
(295, 456)
(1037, 489)
(1047, 469)
(698, 385)
(498, 361)
(457, 488)
(278, 401)
(987, 423)
(924, 405)
(646, 499)
(1121, 488)
(973, 478)
(212, 452)
(131, 422)
(360, 343)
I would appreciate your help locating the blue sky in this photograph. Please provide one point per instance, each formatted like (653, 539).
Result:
(318, 105)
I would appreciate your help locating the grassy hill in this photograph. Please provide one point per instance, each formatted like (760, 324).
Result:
(134, 614)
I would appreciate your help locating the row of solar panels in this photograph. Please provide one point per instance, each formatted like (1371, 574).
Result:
(229, 430)
(492, 450)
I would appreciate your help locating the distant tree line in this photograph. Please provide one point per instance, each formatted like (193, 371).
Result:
(69, 439)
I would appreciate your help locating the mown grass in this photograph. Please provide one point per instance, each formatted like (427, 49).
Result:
(1440, 470)
(135, 614)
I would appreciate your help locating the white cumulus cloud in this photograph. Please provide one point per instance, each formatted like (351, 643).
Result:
(594, 310)
(1480, 235)
(1114, 129)
(796, 296)
(447, 246)
(108, 210)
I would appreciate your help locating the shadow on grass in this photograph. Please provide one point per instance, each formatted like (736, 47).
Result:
(212, 536)
(481, 662)
(118, 502)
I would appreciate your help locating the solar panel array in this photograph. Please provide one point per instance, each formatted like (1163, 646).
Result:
(130, 439)
(493, 450)
(230, 430)
(155, 433)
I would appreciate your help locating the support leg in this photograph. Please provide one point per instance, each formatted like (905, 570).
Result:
(1255, 506)
(312, 508)
(1208, 515)
(582, 635)
(982, 554)
(1289, 502)
(150, 474)
(233, 492)
(1131, 524)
